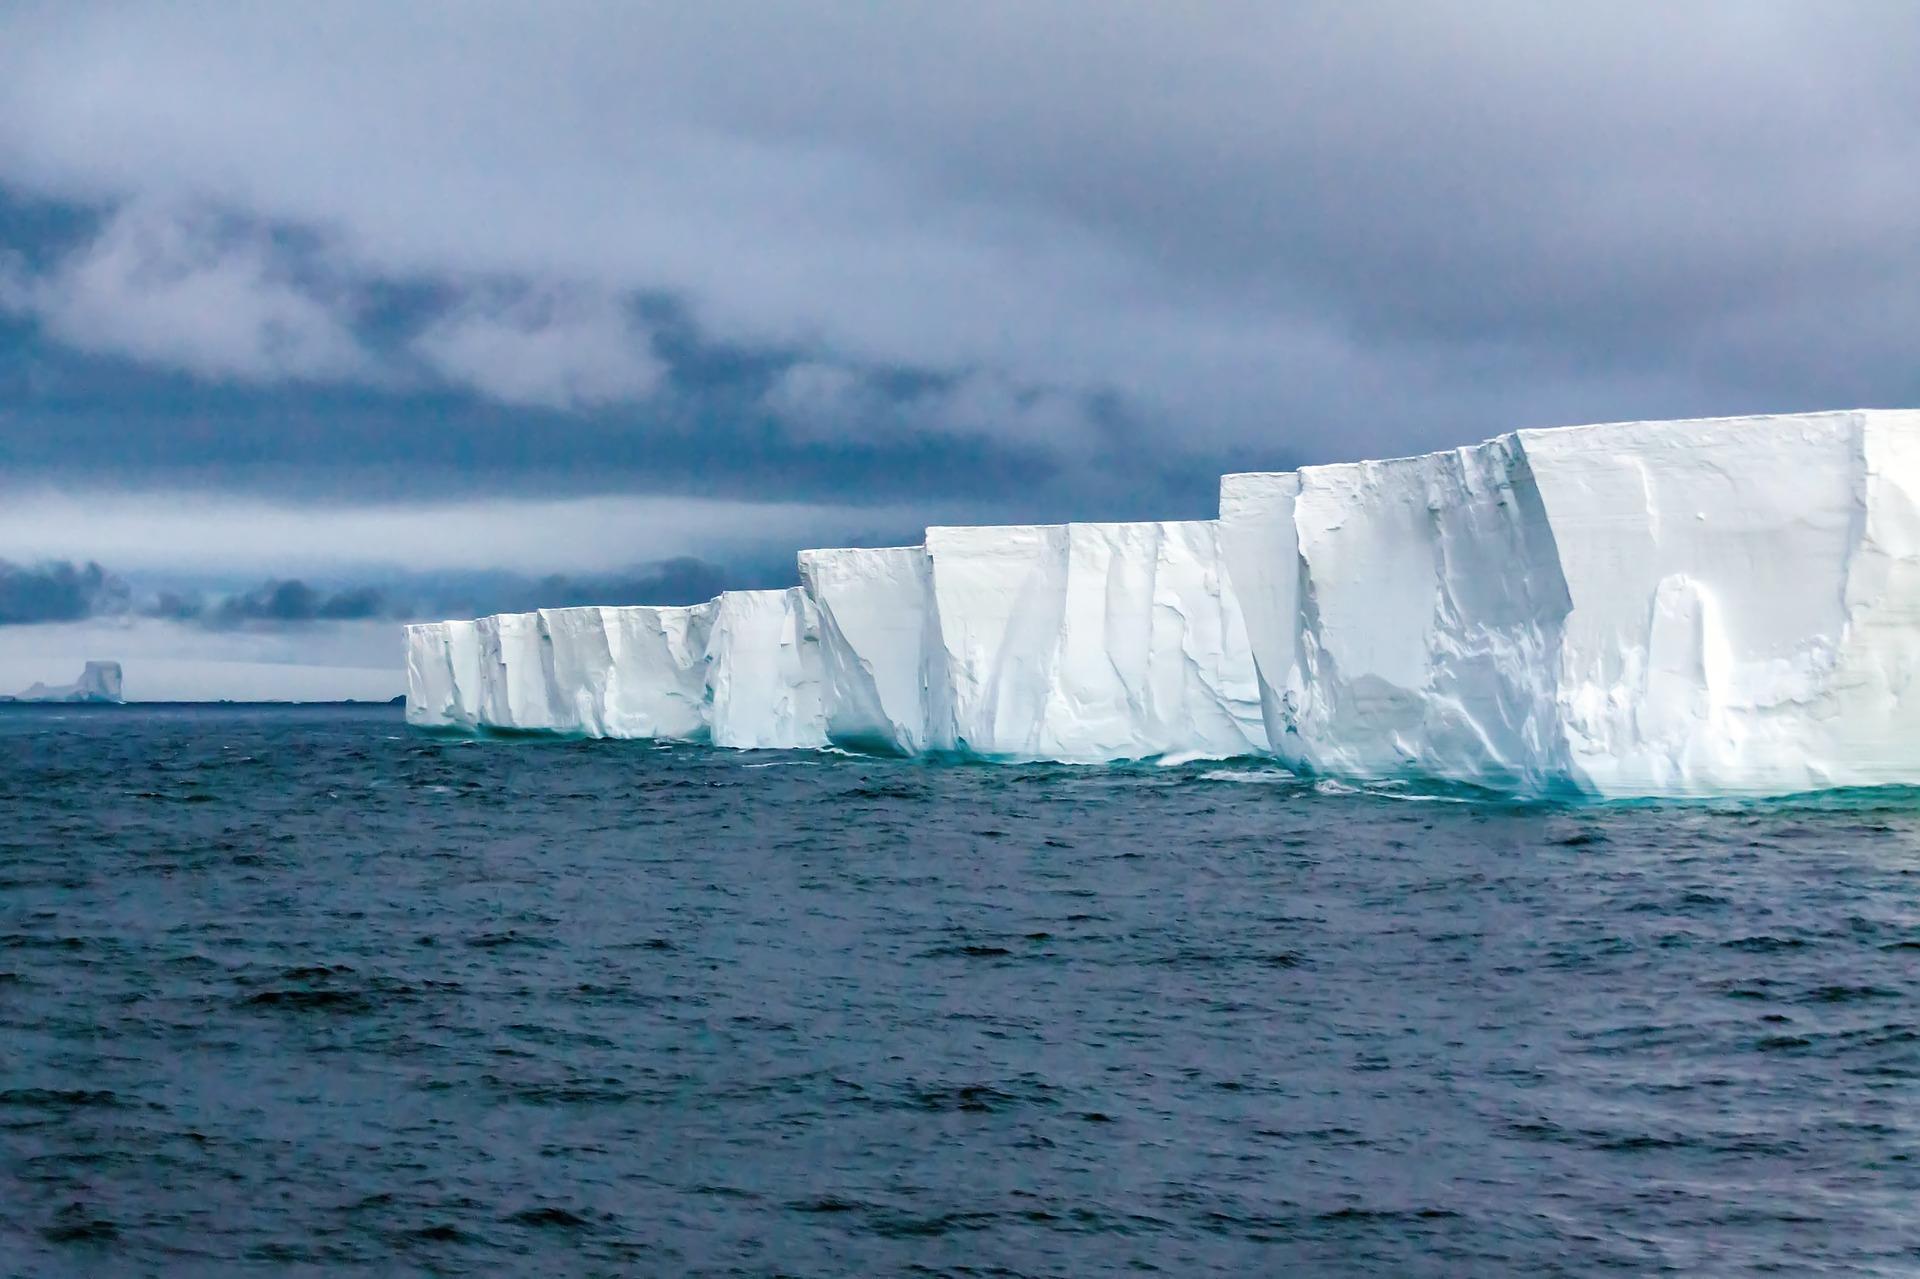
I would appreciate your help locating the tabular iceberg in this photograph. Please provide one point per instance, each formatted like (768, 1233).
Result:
(98, 682)
(1634, 609)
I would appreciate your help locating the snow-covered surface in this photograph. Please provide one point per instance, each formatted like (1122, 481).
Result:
(1715, 606)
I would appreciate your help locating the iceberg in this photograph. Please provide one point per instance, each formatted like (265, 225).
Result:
(1726, 605)
(98, 682)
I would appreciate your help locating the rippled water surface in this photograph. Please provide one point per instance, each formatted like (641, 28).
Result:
(287, 990)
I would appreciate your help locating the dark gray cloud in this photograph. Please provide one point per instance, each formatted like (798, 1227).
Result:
(57, 592)
(276, 603)
(67, 592)
(1066, 249)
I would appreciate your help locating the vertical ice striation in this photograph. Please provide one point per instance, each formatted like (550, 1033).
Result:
(516, 680)
(884, 688)
(1088, 642)
(431, 692)
(443, 674)
(599, 672)
(1631, 609)
(1429, 609)
(576, 662)
(1260, 551)
(657, 679)
(764, 672)
(1743, 599)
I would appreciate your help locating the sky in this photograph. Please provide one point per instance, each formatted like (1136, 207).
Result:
(313, 318)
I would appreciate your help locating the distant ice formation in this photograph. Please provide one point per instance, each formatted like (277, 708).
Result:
(1655, 608)
(98, 682)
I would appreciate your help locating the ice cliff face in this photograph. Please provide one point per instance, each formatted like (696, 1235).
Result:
(1634, 609)
(1087, 642)
(741, 671)
(884, 683)
(1400, 612)
(1075, 642)
(763, 671)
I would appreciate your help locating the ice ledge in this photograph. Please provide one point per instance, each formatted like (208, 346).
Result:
(1649, 608)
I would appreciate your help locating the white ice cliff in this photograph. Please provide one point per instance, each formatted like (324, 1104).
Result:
(741, 670)
(1087, 642)
(1727, 605)
(763, 671)
(879, 648)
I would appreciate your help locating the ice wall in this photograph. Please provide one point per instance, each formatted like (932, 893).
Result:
(431, 690)
(1725, 605)
(764, 672)
(884, 685)
(1744, 600)
(1260, 550)
(1633, 609)
(1429, 600)
(516, 674)
(628, 672)
(1089, 642)
(625, 672)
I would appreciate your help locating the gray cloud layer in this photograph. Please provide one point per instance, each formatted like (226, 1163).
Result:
(62, 591)
(1353, 227)
(57, 592)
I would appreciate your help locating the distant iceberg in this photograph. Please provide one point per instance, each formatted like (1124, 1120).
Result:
(98, 682)
(1655, 608)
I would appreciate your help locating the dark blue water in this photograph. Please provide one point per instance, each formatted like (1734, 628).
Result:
(287, 991)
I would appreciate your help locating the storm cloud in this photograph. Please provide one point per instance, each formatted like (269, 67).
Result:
(275, 603)
(67, 592)
(1087, 254)
(57, 592)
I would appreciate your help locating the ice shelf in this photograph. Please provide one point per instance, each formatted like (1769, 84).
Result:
(1726, 605)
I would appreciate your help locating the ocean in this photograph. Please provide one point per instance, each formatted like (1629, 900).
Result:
(290, 990)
